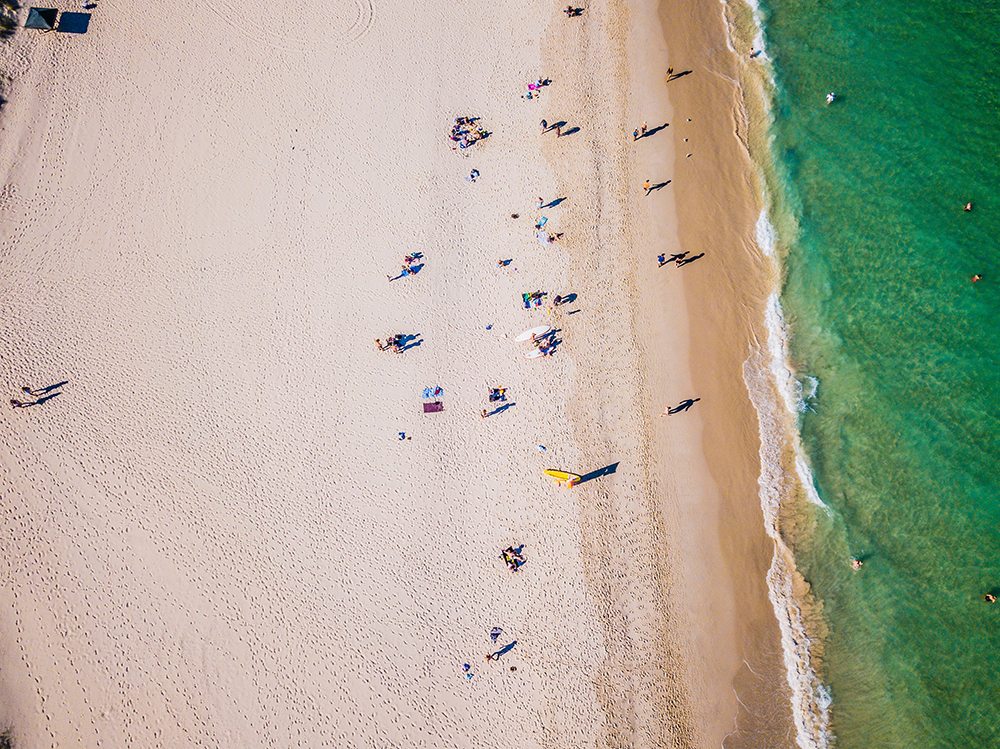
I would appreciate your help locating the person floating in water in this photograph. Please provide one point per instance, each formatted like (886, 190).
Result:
(968, 208)
(977, 277)
(990, 598)
(856, 563)
(830, 97)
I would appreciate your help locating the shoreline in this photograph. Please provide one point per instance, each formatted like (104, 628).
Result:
(719, 208)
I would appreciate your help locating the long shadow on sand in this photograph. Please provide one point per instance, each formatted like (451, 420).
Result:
(606, 471)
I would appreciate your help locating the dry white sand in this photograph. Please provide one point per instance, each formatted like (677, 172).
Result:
(212, 534)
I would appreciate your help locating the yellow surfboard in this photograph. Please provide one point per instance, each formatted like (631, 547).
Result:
(562, 477)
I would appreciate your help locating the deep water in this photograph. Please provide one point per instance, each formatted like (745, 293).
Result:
(902, 434)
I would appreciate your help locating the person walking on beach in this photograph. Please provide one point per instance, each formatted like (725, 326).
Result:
(645, 186)
(682, 406)
(545, 125)
(17, 404)
(670, 73)
(558, 130)
(642, 130)
(635, 135)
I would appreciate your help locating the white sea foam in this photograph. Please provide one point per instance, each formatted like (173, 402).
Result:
(808, 388)
(771, 385)
(777, 344)
(766, 237)
(779, 397)
(805, 475)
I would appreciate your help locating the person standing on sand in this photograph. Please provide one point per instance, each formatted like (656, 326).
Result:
(545, 125)
(642, 130)
(635, 135)
(682, 406)
(670, 73)
(645, 186)
(558, 130)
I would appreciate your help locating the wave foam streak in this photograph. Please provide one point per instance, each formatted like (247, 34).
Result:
(774, 392)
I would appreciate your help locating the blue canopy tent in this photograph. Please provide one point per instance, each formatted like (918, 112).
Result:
(43, 19)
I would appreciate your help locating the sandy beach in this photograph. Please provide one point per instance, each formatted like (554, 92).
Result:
(229, 520)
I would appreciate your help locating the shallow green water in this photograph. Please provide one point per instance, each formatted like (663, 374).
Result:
(903, 430)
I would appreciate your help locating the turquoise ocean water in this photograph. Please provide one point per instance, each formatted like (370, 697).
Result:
(897, 352)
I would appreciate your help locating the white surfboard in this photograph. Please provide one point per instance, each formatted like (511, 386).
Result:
(534, 354)
(539, 331)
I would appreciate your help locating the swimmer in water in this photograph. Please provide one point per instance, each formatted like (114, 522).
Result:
(968, 207)
(977, 277)
(856, 563)
(830, 97)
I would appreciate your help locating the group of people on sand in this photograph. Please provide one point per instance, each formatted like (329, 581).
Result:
(393, 343)
(408, 269)
(465, 132)
(496, 395)
(31, 393)
(546, 343)
(533, 298)
(513, 558)
(535, 89)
